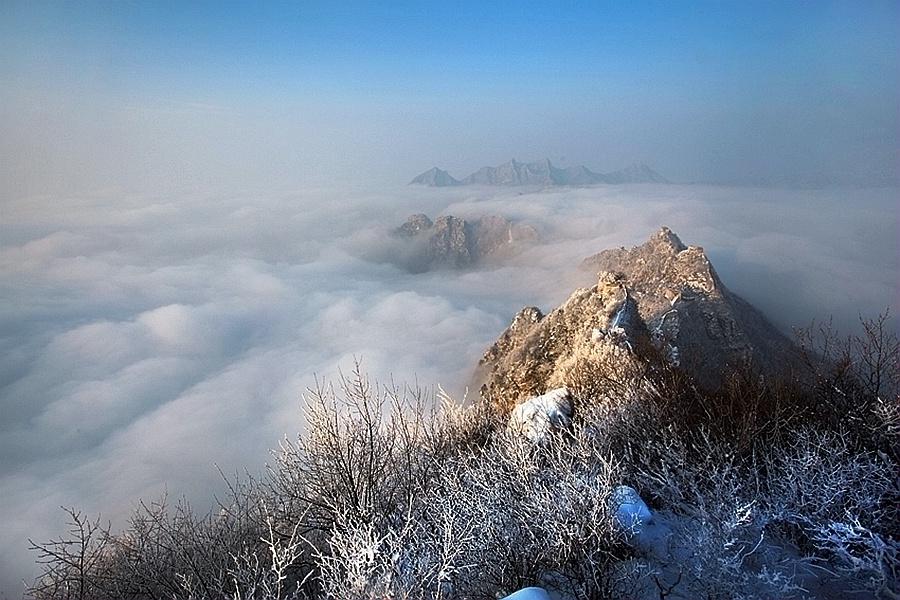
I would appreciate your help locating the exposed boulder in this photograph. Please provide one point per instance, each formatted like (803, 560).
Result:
(637, 522)
(538, 417)
(630, 512)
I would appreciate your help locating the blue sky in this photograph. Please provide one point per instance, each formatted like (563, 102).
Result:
(181, 253)
(134, 94)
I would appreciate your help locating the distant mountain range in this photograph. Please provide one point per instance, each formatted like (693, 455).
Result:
(541, 172)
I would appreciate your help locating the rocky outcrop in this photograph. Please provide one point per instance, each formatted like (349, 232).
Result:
(516, 173)
(451, 242)
(660, 300)
(542, 173)
(689, 311)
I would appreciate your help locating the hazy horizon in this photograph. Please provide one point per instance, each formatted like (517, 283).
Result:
(192, 198)
(163, 96)
(148, 339)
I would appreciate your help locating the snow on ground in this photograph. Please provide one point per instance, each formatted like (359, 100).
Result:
(529, 593)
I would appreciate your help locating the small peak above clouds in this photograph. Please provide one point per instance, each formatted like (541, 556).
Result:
(636, 173)
(542, 173)
(451, 242)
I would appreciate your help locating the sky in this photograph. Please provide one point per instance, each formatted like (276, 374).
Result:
(172, 95)
(194, 198)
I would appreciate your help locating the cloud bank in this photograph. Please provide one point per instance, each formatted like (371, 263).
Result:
(146, 339)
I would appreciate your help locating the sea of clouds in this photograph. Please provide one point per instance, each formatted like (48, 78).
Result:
(146, 341)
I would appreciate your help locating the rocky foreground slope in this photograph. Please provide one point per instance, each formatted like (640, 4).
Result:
(660, 300)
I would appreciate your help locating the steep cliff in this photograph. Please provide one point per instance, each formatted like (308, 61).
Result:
(661, 300)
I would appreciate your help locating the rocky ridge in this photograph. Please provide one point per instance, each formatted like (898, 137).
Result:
(661, 299)
(435, 177)
(542, 173)
(452, 242)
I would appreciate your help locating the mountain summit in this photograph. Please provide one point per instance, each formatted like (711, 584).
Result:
(659, 299)
(435, 177)
(452, 242)
(541, 172)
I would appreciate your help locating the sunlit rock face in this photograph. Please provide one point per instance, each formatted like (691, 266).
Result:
(690, 313)
(661, 298)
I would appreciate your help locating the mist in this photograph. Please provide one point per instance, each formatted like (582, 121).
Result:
(149, 341)
(166, 98)
(195, 203)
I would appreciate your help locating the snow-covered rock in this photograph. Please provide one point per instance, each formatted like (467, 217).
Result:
(633, 517)
(529, 593)
(631, 512)
(537, 417)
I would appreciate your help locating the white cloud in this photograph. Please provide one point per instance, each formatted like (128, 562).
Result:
(145, 339)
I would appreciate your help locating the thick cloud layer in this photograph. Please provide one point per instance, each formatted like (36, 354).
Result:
(145, 340)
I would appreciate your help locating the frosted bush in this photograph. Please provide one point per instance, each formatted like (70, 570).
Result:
(861, 555)
(387, 496)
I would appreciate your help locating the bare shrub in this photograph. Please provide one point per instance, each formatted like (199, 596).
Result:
(272, 568)
(417, 556)
(164, 552)
(854, 381)
(543, 514)
(861, 555)
(498, 516)
(748, 482)
(388, 493)
(819, 477)
(74, 566)
(601, 372)
(359, 454)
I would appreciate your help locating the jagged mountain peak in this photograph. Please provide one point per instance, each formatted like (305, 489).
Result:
(663, 266)
(668, 237)
(414, 224)
(641, 172)
(452, 242)
(661, 297)
(435, 177)
(541, 172)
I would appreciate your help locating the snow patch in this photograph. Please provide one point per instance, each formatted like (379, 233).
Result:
(633, 517)
(537, 417)
(631, 512)
(529, 593)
